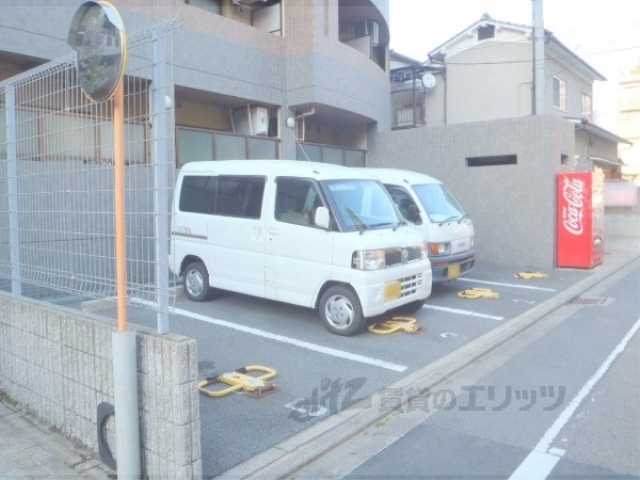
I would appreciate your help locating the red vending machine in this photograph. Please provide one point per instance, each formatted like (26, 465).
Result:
(580, 219)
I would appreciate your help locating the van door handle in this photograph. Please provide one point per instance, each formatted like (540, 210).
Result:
(273, 232)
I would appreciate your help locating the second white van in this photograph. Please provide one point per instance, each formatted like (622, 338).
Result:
(312, 234)
(427, 203)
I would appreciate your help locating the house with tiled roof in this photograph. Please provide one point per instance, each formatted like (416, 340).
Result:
(486, 72)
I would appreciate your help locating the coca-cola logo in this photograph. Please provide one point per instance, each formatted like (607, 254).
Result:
(573, 194)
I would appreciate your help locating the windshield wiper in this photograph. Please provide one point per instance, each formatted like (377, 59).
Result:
(399, 224)
(356, 220)
(462, 218)
(448, 219)
(382, 224)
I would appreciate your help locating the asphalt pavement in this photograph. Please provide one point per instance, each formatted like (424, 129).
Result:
(544, 405)
(29, 449)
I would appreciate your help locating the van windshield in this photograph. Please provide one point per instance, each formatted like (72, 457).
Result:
(439, 202)
(360, 204)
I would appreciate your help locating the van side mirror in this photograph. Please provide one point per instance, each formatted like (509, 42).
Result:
(321, 218)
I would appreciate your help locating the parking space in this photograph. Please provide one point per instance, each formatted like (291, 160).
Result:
(319, 373)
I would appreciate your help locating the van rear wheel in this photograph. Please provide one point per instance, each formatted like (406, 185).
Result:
(196, 282)
(341, 312)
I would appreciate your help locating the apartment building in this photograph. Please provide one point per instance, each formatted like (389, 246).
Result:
(313, 81)
(253, 78)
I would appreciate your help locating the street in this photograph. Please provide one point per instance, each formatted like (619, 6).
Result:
(320, 374)
(562, 400)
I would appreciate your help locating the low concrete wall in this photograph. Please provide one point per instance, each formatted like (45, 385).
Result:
(622, 229)
(56, 363)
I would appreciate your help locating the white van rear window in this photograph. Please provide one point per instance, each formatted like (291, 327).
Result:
(232, 196)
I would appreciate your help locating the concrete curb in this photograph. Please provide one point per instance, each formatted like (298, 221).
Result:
(289, 456)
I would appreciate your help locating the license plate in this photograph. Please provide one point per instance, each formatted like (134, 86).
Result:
(453, 271)
(392, 290)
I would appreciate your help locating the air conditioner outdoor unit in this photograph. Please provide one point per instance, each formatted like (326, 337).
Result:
(250, 120)
(260, 120)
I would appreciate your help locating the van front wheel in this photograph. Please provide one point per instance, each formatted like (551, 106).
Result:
(341, 312)
(196, 282)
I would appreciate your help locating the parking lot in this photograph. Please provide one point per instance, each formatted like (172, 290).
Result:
(319, 373)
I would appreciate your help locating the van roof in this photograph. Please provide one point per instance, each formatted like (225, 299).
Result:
(296, 168)
(398, 176)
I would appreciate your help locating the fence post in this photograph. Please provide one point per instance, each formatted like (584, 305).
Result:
(161, 187)
(12, 178)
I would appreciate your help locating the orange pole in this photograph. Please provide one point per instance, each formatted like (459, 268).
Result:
(120, 224)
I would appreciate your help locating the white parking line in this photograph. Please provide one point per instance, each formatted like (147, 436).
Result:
(510, 285)
(292, 341)
(463, 312)
(543, 458)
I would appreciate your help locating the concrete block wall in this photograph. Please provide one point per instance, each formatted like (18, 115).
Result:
(622, 229)
(512, 206)
(56, 363)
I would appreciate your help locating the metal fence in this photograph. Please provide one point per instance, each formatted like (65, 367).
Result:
(407, 107)
(57, 178)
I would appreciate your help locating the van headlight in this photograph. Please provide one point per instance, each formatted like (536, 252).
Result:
(437, 249)
(424, 250)
(369, 260)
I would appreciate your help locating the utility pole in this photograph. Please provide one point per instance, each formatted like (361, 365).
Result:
(539, 81)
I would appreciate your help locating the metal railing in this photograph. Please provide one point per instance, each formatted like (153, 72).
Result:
(407, 108)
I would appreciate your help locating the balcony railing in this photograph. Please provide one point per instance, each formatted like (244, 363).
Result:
(407, 108)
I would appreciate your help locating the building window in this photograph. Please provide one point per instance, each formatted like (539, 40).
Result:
(559, 93)
(350, 157)
(213, 6)
(587, 106)
(199, 145)
(488, 31)
(362, 28)
(492, 161)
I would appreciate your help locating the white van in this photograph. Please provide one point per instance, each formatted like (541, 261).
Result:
(427, 203)
(311, 234)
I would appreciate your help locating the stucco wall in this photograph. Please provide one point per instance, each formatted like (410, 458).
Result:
(512, 206)
(490, 81)
(57, 364)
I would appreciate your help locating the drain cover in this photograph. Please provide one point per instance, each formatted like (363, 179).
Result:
(593, 301)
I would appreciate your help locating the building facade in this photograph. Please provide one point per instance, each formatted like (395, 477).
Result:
(253, 78)
(467, 116)
(313, 81)
(629, 121)
(486, 72)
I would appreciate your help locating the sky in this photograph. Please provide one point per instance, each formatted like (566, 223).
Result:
(594, 29)
(604, 33)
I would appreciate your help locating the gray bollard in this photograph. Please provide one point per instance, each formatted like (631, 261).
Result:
(125, 382)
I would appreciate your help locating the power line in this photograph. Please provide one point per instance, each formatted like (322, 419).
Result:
(564, 57)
